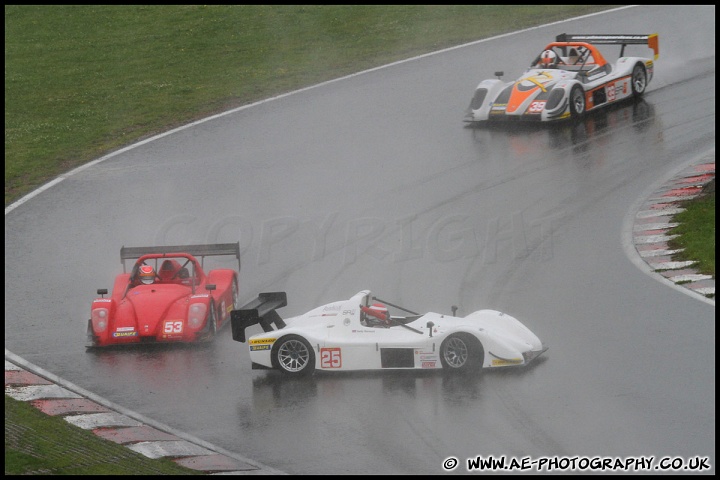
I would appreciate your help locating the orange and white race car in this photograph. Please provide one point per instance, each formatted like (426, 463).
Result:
(568, 78)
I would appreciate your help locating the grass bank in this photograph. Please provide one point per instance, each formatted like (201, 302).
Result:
(36, 444)
(697, 231)
(82, 81)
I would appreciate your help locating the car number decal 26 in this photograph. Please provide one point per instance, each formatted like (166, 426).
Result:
(330, 358)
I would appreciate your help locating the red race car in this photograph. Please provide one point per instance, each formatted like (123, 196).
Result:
(166, 297)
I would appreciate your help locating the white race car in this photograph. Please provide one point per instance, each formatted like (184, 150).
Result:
(361, 334)
(568, 78)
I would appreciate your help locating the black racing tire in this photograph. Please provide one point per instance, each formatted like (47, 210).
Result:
(638, 80)
(293, 355)
(461, 352)
(577, 101)
(212, 322)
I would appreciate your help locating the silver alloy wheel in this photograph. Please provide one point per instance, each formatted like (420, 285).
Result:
(456, 352)
(639, 80)
(577, 101)
(293, 356)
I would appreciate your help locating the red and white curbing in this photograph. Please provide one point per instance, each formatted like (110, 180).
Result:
(653, 227)
(44, 391)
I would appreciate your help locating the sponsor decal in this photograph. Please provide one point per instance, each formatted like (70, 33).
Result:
(610, 91)
(427, 365)
(498, 362)
(200, 295)
(103, 300)
(124, 334)
(331, 358)
(590, 38)
(125, 329)
(259, 341)
(255, 348)
(332, 307)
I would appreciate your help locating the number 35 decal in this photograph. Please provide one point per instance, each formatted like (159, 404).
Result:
(330, 358)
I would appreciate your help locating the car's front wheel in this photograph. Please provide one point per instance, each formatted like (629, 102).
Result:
(461, 352)
(639, 80)
(212, 322)
(577, 101)
(293, 355)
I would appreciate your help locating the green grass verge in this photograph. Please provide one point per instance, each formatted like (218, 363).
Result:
(82, 81)
(697, 231)
(37, 444)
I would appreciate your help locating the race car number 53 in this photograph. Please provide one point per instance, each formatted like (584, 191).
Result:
(330, 358)
(173, 327)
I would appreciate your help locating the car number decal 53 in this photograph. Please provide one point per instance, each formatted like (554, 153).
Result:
(173, 326)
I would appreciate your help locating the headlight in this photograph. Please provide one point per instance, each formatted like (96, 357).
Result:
(196, 314)
(554, 100)
(99, 319)
(478, 98)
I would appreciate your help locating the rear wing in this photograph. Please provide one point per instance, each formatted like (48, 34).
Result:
(262, 311)
(201, 251)
(651, 40)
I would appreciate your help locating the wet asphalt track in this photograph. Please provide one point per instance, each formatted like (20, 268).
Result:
(373, 182)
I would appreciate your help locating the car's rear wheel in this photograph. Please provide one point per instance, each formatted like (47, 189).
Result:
(461, 352)
(293, 355)
(639, 80)
(577, 101)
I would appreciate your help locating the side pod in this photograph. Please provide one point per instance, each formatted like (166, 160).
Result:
(262, 311)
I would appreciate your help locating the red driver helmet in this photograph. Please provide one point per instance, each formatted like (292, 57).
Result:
(379, 311)
(147, 274)
(548, 58)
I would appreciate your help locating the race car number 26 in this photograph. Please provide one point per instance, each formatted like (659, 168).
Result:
(330, 358)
